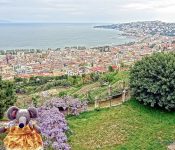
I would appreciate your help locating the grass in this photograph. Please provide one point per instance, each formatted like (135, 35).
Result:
(130, 126)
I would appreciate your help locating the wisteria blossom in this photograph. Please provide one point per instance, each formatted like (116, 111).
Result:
(53, 127)
(53, 123)
(73, 105)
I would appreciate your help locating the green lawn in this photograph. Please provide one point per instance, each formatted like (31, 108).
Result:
(130, 126)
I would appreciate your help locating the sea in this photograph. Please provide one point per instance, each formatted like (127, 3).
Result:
(57, 35)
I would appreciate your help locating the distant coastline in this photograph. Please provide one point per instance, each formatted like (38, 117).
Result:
(143, 28)
(54, 35)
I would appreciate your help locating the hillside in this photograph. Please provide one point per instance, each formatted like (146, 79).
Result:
(84, 88)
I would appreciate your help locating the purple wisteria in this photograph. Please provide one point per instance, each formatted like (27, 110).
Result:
(53, 127)
(67, 104)
(53, 123)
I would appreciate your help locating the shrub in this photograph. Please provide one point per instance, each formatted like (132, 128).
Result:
(53, 128)
(75, 105)
(53, 123)
(152, 80)
(75, 95)
(90, 97)
(107, 78)
(7, 95)
(94, 77)
(35, 100)
(62, 94)
(110, 69)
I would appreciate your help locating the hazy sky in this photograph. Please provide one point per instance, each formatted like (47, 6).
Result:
(109, 11)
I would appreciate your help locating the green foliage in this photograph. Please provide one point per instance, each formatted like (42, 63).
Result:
(17, 79)
(75, 95)
(94, 77)
(39, 80)
(62, 94)
(72, 85)
(7, 96)
(73, 80)
(110, 69)
(35, 100)
(152, 80)
(2, 136)
(107, 78)
(90, 98)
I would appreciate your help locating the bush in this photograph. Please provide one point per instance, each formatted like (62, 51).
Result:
(75, 105)
(90, 98)
(62, 94)
(7, 96)
(152, 80)
(75, 96)
(110, 69)
(94, 77)
(35, 100)
(107, 78)
(53, 126)
(53, 123)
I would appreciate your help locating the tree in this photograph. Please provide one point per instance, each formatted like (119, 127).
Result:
(152, 80)
(83, 78)
(72, 80)
(122, 65)
(110, 69)
(107, 78)
(7, 95)
(17, 79)
(94, 77)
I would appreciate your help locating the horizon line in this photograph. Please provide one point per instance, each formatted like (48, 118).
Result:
(34, 22)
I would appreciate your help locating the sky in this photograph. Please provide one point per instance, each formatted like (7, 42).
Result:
(86, 11)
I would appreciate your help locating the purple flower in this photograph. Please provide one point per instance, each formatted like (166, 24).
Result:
(53, 127)
(53, 123)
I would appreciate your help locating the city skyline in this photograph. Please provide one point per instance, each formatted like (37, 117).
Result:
(81, 11)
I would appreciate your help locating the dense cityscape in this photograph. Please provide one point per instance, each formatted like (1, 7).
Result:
(78, 60)
(140, 29)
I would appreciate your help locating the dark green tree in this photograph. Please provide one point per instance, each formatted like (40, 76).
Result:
(110, 69)
(83, 78)
(108, 77)
(17, 79)
(7, 95)
(152, 80)
(94, 77)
